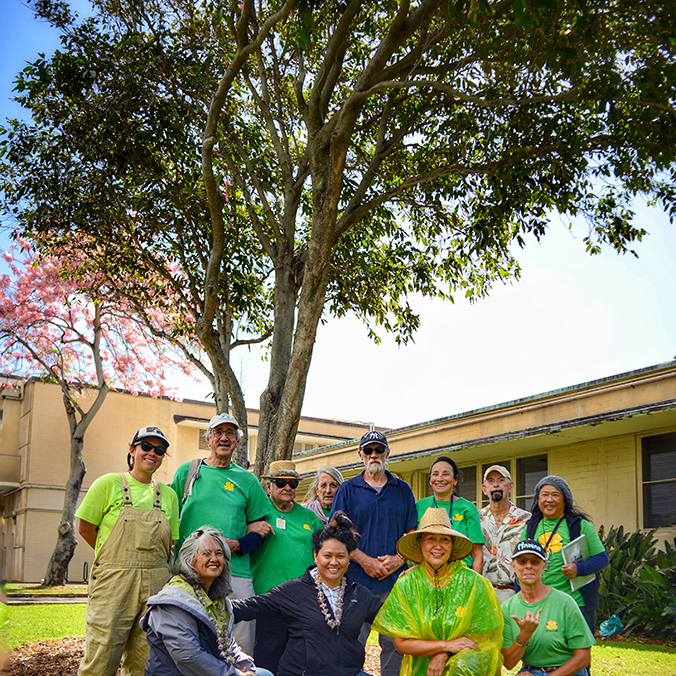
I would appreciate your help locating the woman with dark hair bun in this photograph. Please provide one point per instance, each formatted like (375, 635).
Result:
(323, 609)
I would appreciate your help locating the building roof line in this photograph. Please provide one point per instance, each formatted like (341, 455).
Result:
(551, 428)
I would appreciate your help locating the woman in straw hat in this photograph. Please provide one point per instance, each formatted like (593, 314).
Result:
(444, 617)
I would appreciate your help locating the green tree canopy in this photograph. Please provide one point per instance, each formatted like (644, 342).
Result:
(368, 151)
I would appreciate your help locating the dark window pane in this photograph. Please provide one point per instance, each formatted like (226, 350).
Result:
(659, 457)
(528, 472)
(659, 504)
(466, 488)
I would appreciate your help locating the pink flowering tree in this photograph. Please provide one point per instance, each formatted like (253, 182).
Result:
(73, 332)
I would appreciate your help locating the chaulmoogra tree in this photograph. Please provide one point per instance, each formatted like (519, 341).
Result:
(368, 151)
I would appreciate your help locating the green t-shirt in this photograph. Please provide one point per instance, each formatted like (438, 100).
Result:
(553, 577)
(227, 498)
(103, 503)
(561, 629)
(464, 519)
(286, 554)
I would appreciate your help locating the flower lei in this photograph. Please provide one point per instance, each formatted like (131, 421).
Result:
(224, 637)
(321, 597)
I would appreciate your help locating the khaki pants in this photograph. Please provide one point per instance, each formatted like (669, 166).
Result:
(131, 566)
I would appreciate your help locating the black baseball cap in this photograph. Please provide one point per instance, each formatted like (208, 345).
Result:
(530, 547)
(373, 437)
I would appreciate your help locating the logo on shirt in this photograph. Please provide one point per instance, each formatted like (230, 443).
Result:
(307, 526)
(229, 486)
(458, 517)
(460, 611)
(551, 625)
(555, 544)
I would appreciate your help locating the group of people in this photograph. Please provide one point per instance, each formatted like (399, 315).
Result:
(265, 585)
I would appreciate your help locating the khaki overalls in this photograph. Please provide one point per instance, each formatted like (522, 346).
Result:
(132, 565)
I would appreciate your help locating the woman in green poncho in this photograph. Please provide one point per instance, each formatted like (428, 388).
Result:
(444, 617)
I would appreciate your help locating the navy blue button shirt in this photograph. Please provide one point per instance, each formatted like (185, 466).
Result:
(380, 518)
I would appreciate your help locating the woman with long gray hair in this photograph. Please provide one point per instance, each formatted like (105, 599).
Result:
(189, 623)
(319, 497)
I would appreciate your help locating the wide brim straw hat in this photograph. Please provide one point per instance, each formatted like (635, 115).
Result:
(282, 469)
(434, 520)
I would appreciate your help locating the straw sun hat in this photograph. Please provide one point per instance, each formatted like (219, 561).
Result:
(434, 520)
(282, 469)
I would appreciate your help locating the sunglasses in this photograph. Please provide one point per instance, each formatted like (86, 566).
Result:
(147, 447)
(280, 483)
(370, 451)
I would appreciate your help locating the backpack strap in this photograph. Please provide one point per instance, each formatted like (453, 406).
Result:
(193, 475)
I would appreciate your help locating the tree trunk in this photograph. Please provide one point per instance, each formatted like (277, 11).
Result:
(282, 341)
(57, 569)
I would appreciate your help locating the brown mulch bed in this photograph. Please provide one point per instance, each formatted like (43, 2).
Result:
(48, 658)
(62, 658)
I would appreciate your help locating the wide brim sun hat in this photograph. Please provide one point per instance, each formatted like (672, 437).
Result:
(434, 520)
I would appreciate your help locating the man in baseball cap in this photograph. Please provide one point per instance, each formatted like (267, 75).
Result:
(382, 509)
(502, 523)
(217, 492)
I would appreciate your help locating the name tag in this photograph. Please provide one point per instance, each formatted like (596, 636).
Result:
(280, 523)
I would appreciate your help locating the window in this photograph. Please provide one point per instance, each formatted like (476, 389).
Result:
(659, 480)
(528, 472)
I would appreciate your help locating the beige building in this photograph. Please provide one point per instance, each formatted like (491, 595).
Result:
(613, 440)
(34, 461)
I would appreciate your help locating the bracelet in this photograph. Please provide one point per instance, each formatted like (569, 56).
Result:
(518, 641)
(450, 654)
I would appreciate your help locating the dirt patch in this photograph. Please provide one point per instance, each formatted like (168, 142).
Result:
(48, 658)
(62, 658)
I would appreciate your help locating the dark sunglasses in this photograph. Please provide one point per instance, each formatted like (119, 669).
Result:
(370, 451)
(147, 447)
(280, 483)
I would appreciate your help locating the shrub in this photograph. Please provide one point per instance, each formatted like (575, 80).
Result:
(627, 553)
(651, 605)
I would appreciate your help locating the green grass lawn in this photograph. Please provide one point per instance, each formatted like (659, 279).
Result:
(28, 624)
(611, 658)
(47, 622)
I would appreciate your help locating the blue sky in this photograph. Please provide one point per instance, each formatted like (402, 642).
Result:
(571, 318)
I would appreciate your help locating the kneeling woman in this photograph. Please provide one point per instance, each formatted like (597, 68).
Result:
(544, 627)
(443, 616)
(189, 623)
(323, 610)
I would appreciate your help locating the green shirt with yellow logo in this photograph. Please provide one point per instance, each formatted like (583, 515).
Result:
(561, 629)
(286, 554)
(227, 498)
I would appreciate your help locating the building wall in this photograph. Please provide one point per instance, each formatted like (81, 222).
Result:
(35, 454)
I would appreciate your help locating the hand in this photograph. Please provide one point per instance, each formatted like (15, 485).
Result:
(233, 544)
(437, 664)
(373, 567)
(569, 570)
(528, 624)
(263, 528)
(391, 562)
(408, 570)
(461, 643)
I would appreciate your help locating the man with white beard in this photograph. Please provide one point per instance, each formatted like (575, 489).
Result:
(382, 509)
(501, 523)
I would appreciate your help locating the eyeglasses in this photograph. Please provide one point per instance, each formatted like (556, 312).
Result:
(375, 449)
(280, 483)
(147, 447)
(231, 434)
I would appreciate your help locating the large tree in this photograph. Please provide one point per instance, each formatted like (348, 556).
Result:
(374, 149)
(76, 335)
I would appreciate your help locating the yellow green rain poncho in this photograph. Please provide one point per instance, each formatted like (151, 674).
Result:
(464, 604)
